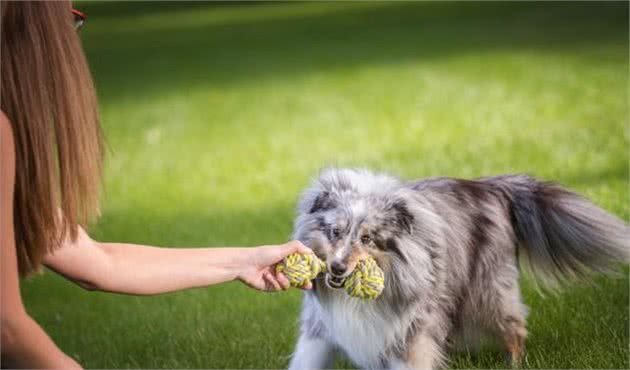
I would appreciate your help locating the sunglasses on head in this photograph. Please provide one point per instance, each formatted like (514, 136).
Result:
(79, 19)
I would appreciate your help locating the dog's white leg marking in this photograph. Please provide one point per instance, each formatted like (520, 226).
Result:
(423, 354)
(399, 365)
(312, 353)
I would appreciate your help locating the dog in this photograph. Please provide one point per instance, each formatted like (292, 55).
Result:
(451, 250)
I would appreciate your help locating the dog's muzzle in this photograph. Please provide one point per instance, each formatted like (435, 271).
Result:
(334, 282)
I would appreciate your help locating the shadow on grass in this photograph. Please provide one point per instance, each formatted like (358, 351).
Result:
(118, 9)
(180, 56)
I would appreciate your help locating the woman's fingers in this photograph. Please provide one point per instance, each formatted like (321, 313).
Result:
(268, 257)
(282, 280)
(271, 281)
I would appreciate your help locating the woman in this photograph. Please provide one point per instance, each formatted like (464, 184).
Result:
(50, 167)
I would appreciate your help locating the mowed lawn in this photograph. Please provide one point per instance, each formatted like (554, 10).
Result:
(217, 116)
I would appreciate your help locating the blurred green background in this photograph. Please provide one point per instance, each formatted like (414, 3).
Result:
(217, 116)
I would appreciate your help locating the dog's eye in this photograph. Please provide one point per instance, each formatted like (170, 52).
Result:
(335, 232)
(365, 239)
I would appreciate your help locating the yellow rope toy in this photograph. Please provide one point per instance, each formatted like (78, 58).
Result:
(366, 281)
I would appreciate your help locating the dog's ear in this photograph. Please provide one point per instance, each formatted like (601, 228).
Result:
(402, 217)
(324, 201)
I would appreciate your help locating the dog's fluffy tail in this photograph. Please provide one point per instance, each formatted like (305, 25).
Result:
(564, 236)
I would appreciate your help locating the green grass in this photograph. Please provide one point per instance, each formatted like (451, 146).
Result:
(218, 115)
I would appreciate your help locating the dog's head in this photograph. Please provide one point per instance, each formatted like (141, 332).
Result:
(348, 214)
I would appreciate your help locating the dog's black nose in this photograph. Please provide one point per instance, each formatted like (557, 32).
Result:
(338, 268)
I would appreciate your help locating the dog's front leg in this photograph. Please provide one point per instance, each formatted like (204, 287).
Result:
(425, 352)
(312, 353)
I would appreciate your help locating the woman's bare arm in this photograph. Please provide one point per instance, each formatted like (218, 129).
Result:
(146, 270)
(24, 343)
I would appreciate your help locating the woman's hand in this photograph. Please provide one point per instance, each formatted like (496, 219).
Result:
(259, 272)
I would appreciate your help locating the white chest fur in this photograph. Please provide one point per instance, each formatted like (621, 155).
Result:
(360, 330)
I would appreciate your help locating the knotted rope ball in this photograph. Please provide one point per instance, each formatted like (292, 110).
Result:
(366, 281)
(301, 268)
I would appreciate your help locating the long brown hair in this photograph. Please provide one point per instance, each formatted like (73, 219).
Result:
(48, 95)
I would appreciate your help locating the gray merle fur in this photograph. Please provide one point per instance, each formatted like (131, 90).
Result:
(451, 251)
